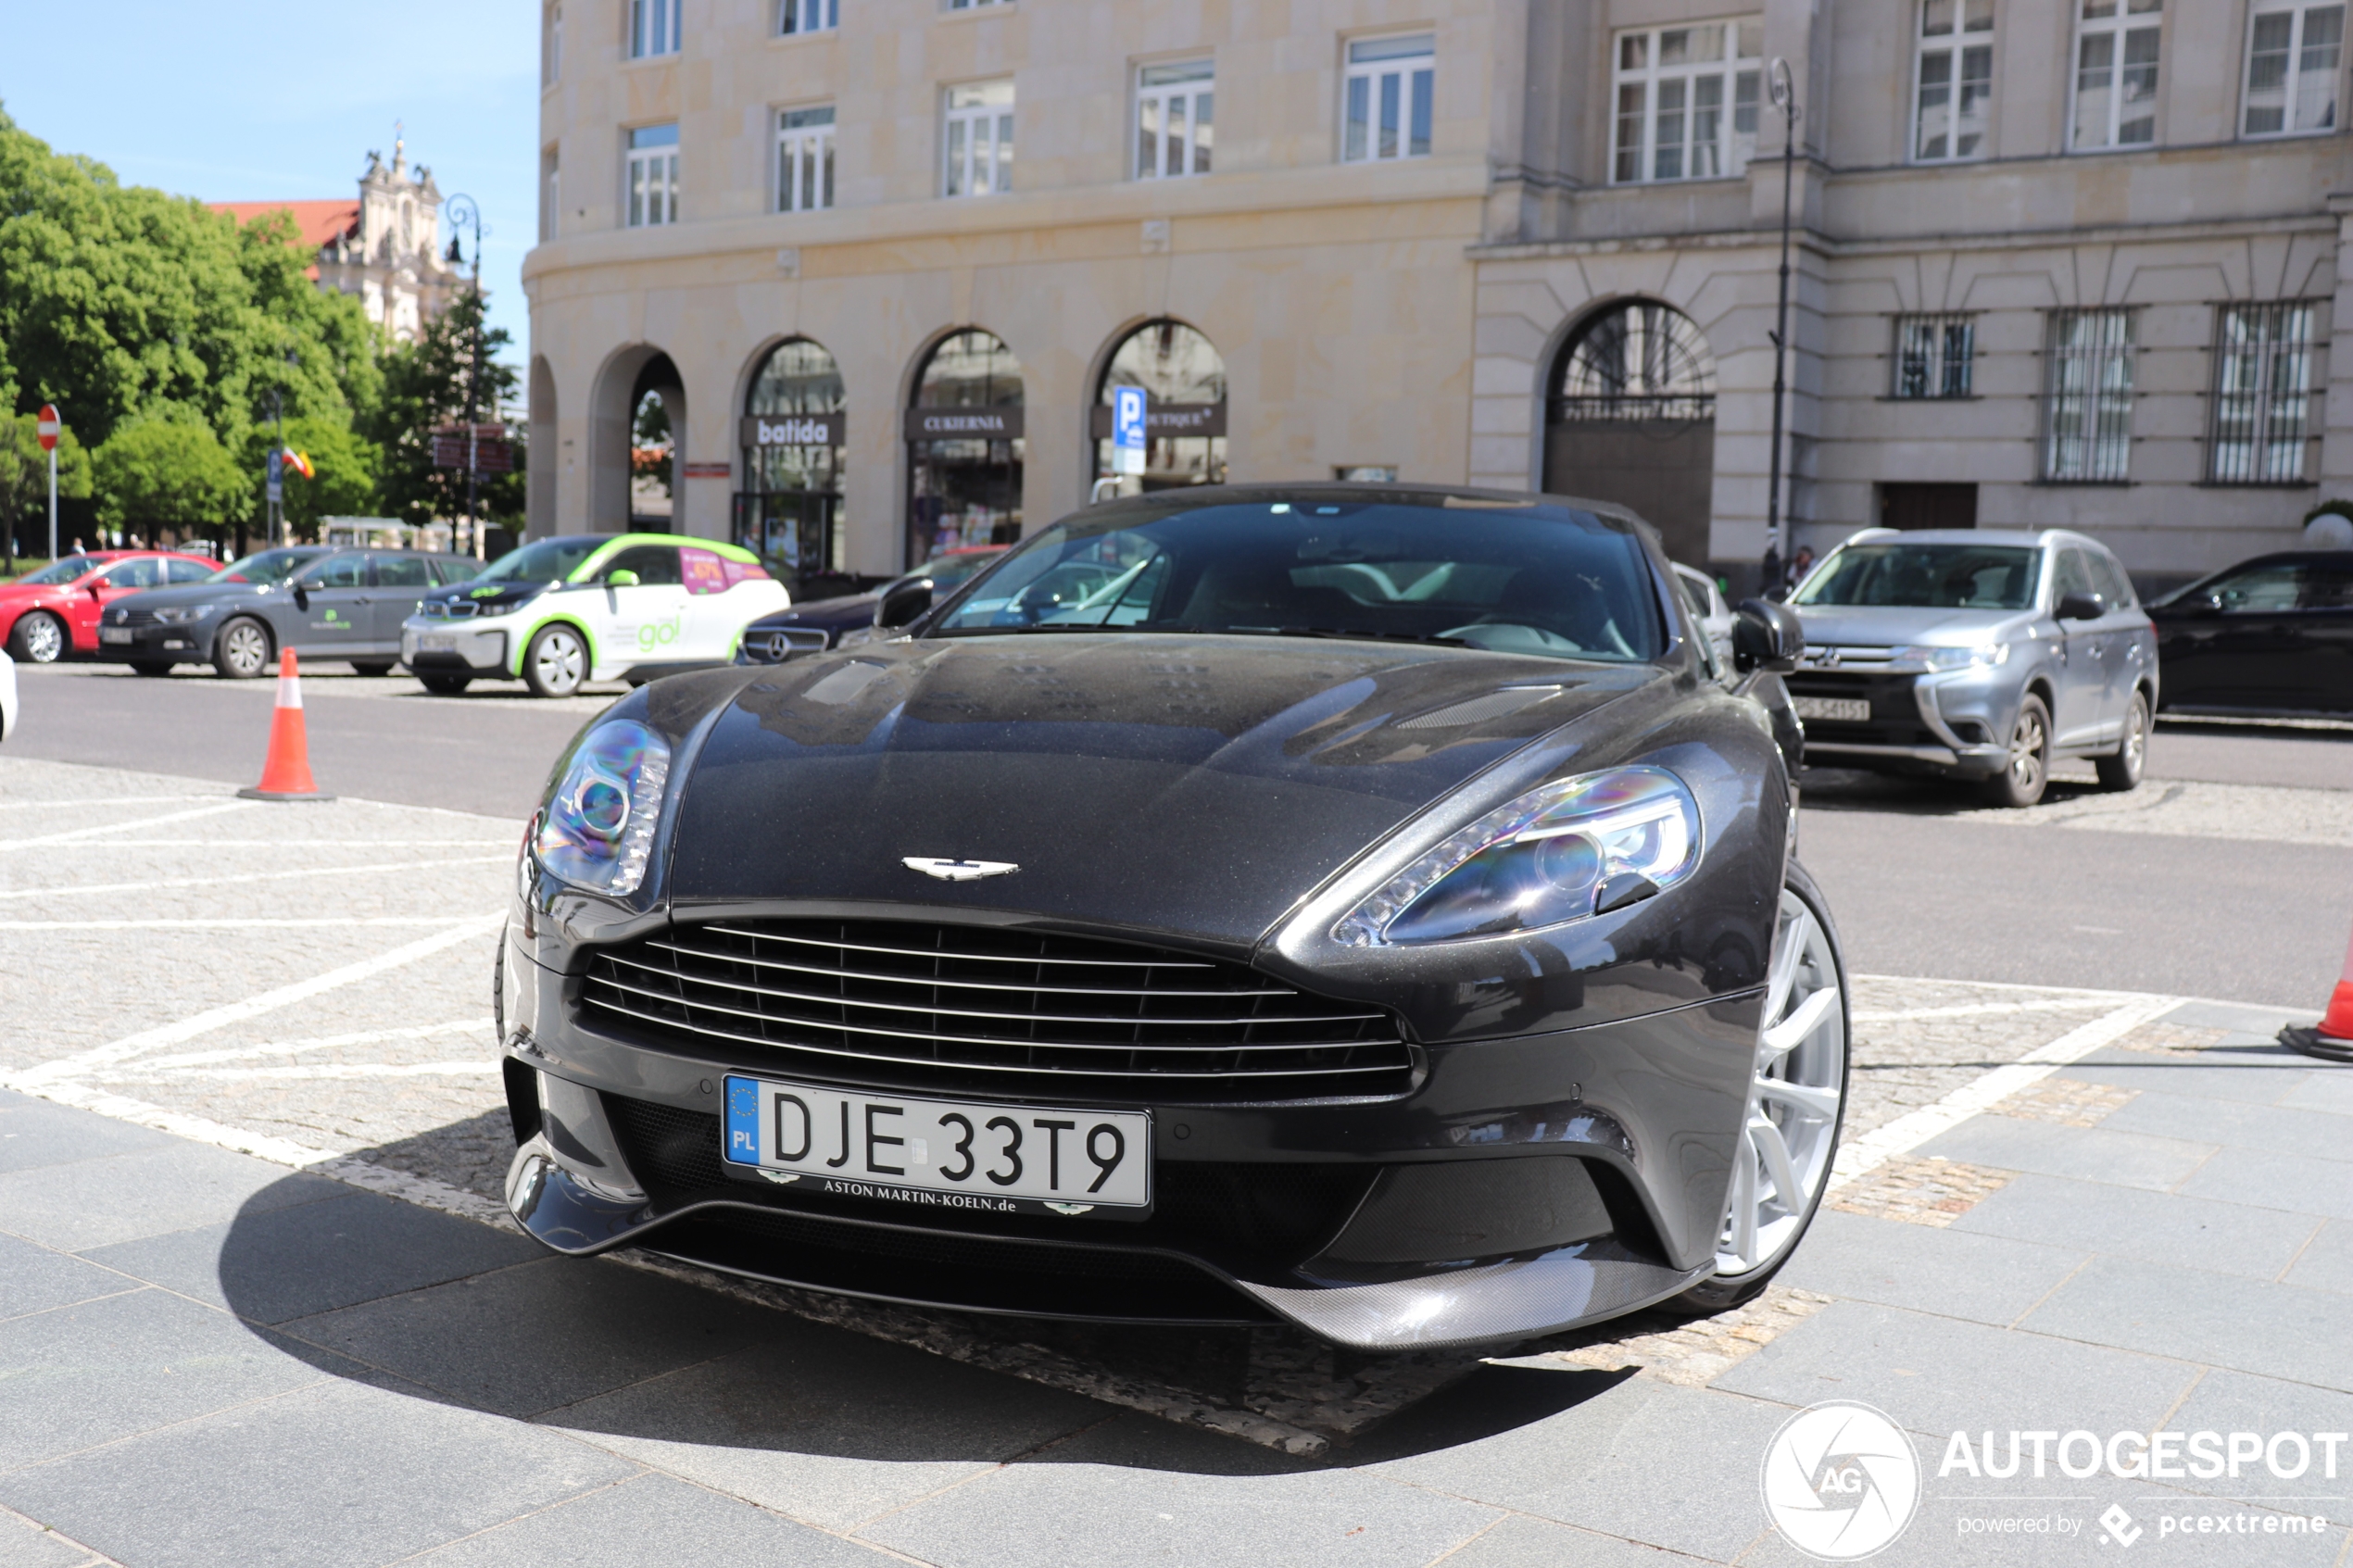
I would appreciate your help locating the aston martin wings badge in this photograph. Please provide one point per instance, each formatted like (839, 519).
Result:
(958, 871)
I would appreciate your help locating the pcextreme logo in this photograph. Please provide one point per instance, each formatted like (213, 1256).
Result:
(1840, 1481)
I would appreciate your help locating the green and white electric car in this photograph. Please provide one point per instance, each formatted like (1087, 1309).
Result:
(586, 607)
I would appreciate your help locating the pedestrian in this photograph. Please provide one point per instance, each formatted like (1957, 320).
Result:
(1802, 565)
(77, 546)
(1769, 582)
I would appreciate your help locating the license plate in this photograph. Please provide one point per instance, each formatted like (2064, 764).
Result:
(1847, 708)
(436, 642)
(941, 1153)
(114, 633)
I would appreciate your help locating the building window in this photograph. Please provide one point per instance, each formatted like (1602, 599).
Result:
(1933, 354)
(980, 156)
(551, 199)
(1174, 117)
(797, 17)
(972, 4)
(2262, 393)
(551, 46)
(2293, 54)
(2088, 397)
(1956, 81)
(653, 27)
(653, 175)
(1687, 101)
(1390, 83)
(805, 159)
(2116, 47)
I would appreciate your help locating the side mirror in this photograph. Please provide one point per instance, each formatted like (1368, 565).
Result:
(625, 578)
(96, 583)
(1766, 636)
(2081, 606)
(301, 591)
(902, 603)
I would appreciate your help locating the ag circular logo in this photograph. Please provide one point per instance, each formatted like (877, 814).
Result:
(1840, 1481)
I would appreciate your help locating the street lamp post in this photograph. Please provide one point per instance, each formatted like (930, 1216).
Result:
(1785, 100)
(464, 211)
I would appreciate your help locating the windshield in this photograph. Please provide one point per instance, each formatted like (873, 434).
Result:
(544, 560)
(1538, 579)
(64, 570)
(1927, 577)
(265, 566)
(951, 572)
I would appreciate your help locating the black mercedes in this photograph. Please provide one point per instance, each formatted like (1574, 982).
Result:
(1359, 907)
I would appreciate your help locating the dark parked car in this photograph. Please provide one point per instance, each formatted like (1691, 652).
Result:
(818, 624)
(2271, 635)
(322, 603)
(1343, 905)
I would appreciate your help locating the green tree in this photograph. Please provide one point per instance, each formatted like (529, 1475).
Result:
(167, 470)
(24, 470)
(425, 386)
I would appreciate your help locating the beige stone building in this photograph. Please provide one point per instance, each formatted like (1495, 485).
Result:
(2055, 261)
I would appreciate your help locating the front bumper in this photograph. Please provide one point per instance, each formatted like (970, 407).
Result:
(189, 643)
(1948, 721)
(472, 650)
(1522, 1187)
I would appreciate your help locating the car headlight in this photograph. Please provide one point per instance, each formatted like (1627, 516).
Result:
(1984, 655)
(1556, 854)
(598, 832)
(180, 615)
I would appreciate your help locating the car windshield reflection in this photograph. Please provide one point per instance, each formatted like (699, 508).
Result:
(1927, 577)
(265, 566)
(544, 560)
(1539, 580)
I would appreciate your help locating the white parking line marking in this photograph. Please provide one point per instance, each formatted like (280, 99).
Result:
(143, 1072)
(122, 1107)
(74, 836)
(87, 802)
(402, 865)
(1908, 1132)
(39, 1079)
(323, 1043)
(142, 845)
(1975, 1009)
(243, 922)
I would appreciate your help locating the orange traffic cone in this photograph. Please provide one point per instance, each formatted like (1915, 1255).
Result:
(285, 776)
(2332, 1038)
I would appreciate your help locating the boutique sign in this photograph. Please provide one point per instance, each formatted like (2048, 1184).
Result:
(792, 430)
(1164, 420)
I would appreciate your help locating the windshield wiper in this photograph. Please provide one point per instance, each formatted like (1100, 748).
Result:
(1352, 636)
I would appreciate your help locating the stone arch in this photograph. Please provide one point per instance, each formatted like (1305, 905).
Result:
(793, 405)
(1630, 417)
(628, 375)
(965, 446)
(1185, 383)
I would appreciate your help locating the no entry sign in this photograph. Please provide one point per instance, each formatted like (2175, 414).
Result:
(45, 427)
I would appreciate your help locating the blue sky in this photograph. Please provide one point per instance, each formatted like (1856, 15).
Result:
(270, 99)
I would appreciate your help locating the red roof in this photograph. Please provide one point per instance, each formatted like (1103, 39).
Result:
(319, 221)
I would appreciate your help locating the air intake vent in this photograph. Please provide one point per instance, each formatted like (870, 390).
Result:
(987, 1010)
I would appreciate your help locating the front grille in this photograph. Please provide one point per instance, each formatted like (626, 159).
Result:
(129, 617)
(993, 1010)
(445, 609)
(1847, 656)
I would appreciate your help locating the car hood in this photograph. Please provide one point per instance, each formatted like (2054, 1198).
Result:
(1883, 626)
(488, 598)
(1179, 784)
(849, 610)
(189, 593)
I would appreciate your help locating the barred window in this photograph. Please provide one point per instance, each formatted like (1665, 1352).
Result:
(2088, 430)
(1933, 355)
(2262, 393)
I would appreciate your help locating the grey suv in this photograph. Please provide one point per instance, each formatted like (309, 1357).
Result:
(1977, 654)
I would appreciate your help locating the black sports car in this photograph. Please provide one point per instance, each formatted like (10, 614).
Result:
(1358, 906)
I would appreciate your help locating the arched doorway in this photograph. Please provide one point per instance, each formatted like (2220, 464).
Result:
(539, 476)
(634, 450)
(657, 418)
(1184, 382)
(1632, 418)
(789, 509)
(964, 446)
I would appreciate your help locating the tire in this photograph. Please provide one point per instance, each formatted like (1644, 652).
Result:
(1796, 1104)
(2123, 770)
(241, 651)
(2029, 772)
(557, 661)
(39, 637)
(446, 685)
(371, 667)
(151, 667)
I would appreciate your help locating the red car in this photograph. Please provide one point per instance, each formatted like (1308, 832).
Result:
(55, 610)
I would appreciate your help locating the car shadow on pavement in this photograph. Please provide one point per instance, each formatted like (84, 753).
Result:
(703, 1381)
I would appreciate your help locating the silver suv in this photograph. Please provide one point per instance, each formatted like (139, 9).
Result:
(1977, 654)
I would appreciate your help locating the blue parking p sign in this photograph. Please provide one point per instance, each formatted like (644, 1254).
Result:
(1127, 428)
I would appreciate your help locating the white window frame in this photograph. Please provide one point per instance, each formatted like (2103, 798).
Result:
(2087, 397)
(2125, 23)
(552, 191)
(974, 5)
(1969, 30)
(1380, 84)
(797, 19)
(1638, 80)
(966, 129)
(656, 28)
(649, 179)
(551, 44)
(1175, 118)
(805, 158)
(2300, 69)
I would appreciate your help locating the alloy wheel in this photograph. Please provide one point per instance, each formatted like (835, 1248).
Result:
(1797, 1089)
(244, 650)
(557, 662)
(43, 639)
(2026, 753)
